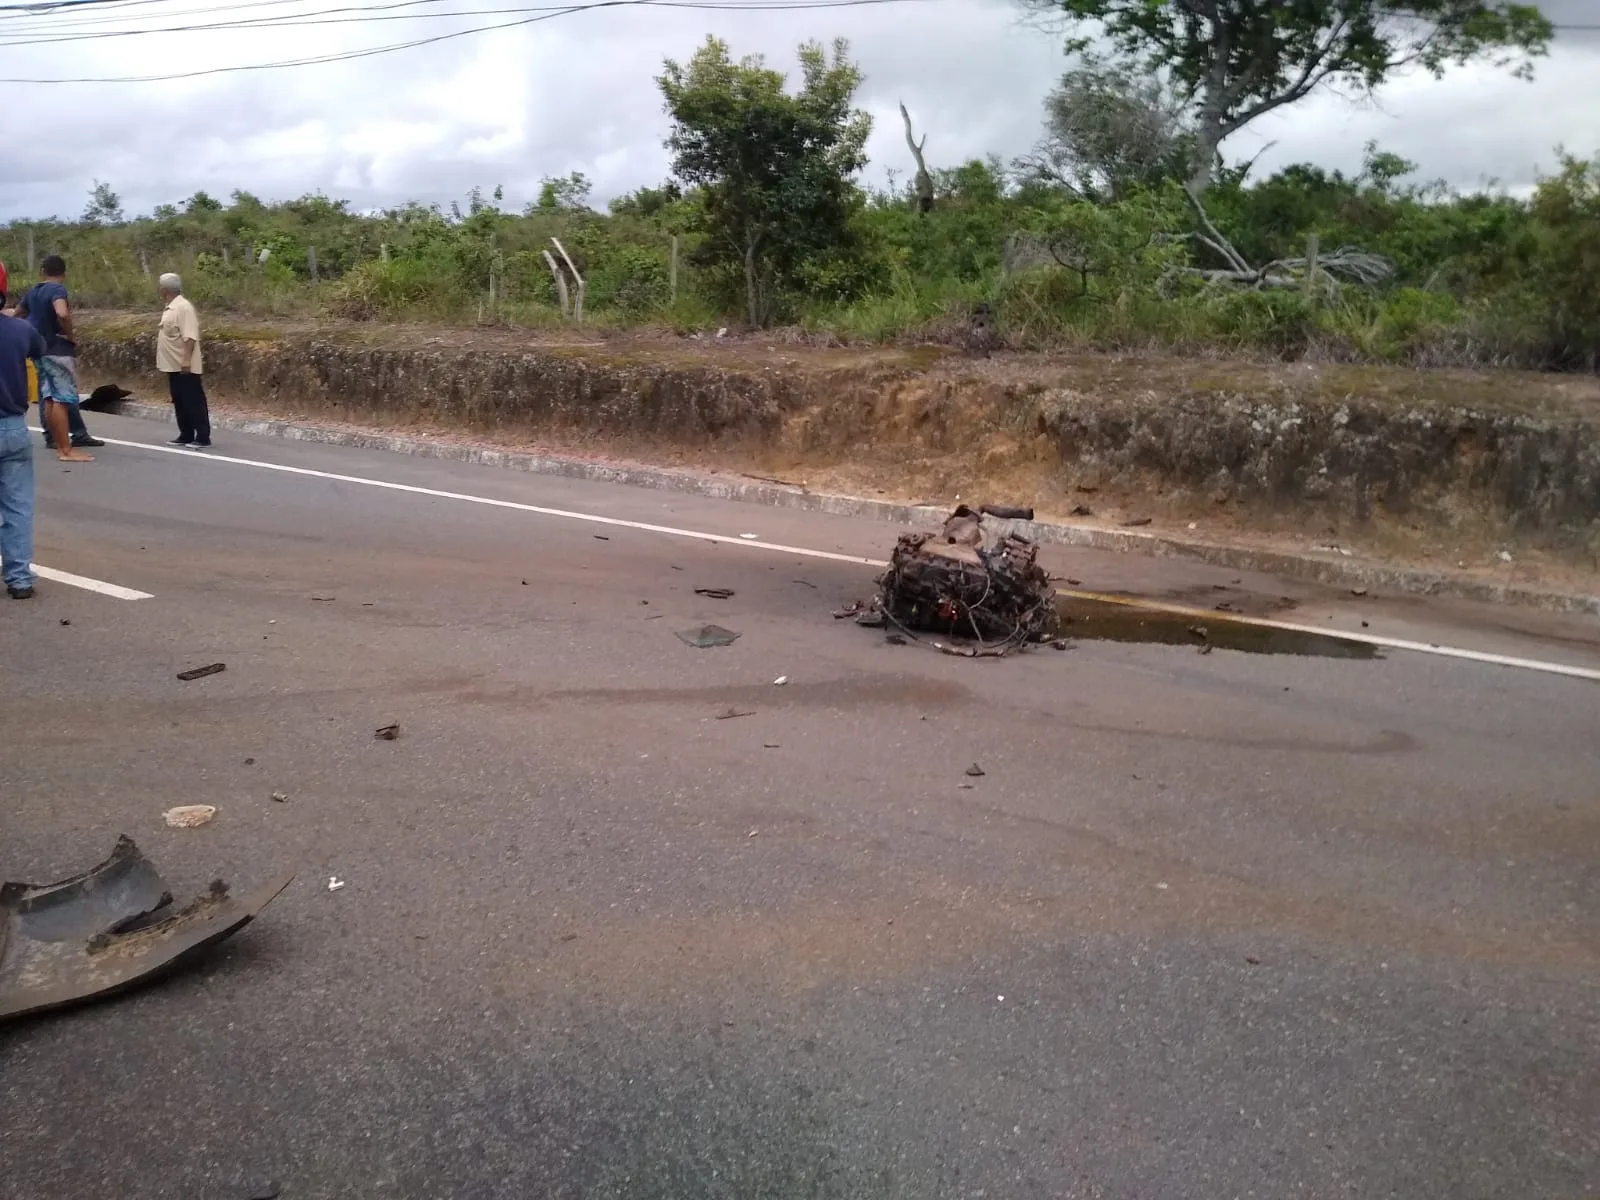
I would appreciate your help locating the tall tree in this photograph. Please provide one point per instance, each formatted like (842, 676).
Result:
(104, 207)
(774, 170)
(1237, 60)
(1110, 128)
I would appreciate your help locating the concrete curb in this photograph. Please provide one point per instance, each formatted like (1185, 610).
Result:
(1332, 572)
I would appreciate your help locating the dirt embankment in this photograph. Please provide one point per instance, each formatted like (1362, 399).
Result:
(1432, 465)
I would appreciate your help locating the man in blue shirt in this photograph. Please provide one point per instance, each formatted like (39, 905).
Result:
(20, 346)
(46, 308)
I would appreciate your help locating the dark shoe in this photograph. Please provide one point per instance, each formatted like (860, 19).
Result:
(199, 445)
(88, 443)
(174, 442)
(19, 593)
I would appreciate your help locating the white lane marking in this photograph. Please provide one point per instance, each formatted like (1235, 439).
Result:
(594, 518)
(1366, 639)
(1456, 652)
(90, 585)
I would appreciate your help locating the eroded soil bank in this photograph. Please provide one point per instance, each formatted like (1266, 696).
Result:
(1431, 465)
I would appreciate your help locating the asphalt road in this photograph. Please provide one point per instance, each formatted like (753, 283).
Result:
(1222, 925)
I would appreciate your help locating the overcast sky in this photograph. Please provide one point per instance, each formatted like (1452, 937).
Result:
(577, 94)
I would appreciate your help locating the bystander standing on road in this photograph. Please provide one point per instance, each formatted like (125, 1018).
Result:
(178, 358)
(46, 307)
(21, 347)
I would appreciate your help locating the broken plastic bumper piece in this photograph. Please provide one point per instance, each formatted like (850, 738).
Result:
(111, 928)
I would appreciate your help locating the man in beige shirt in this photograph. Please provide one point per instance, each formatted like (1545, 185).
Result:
(178, 357)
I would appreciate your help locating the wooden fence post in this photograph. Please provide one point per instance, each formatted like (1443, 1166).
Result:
(577, 303)
(561, 282)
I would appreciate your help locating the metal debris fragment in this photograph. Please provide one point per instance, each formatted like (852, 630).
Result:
(388, 733)
(189, 816)
(202, 672)
(708, 636)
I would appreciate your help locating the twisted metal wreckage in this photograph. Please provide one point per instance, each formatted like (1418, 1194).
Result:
(971, 581)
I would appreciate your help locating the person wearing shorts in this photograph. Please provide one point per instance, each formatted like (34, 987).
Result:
(45, 307)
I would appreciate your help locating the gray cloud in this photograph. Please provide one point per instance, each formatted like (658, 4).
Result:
(578, 94)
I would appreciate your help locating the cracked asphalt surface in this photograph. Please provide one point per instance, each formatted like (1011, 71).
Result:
(1228, 925)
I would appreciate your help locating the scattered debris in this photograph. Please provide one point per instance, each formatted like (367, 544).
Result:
(1207, 648)
(707, 637)
(524, 583)
(770, 746)
(714, 593)
(780, 681)
(324, 599)
(202, 672)
(65, 621)
(1081, 510)
(736, 712)
(1136, 522)
(569, 937)
(249, 762)
(854, 608)
(600, 537)
(1058, 644)
(1358, 591)
(1004, 512)
(752, 833)
(107, 929)
(975, 771)
(334, 883)
(270, 1190)
(1504, 556)
(749, 537)
(1252, 960)
(895, 639)
(806, 583)
(189, 816)
(387, 733)
(280, 797)
(1074, 583)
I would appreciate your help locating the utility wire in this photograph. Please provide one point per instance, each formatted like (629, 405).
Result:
(325, 17)
(541, 15)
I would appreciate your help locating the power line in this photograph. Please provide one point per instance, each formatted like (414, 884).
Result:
(326, 17)
(542, 15)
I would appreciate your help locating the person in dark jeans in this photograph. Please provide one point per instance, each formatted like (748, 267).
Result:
(178, 357)
(21, 350)
(45, 306)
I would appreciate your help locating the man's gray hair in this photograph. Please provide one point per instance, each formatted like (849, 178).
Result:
(171, 283)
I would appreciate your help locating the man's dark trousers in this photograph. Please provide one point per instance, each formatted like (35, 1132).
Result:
(189, 406)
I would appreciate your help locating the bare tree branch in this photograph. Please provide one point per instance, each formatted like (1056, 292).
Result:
(924, 182)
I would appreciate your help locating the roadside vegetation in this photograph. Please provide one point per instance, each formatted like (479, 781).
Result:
(1127, 228)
